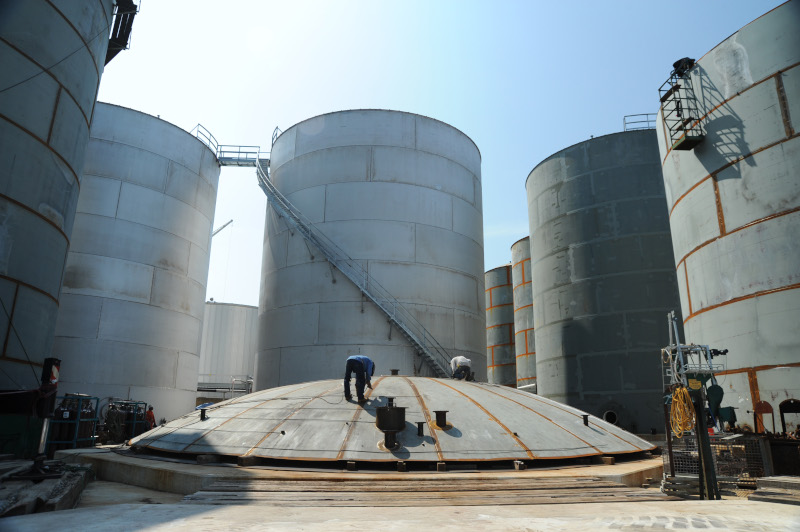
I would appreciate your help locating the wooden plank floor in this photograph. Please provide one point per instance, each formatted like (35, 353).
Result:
(422, 492)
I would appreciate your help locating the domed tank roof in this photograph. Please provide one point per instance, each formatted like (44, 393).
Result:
(313, 421)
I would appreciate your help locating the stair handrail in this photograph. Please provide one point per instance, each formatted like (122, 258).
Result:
(422, 339)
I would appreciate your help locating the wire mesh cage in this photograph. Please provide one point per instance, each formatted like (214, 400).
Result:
(739, 459)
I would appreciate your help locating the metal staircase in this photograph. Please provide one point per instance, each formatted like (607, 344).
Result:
(124, 13)
(424, 343)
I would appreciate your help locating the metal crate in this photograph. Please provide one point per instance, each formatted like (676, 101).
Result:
(739, 459)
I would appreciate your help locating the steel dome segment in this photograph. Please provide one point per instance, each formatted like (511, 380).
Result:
(312, 421)
(561, 442)
(615, 431)
(189, 430)
(191, 418)
(477, 434)
(244, 432)
(316, 432)
(296, 425)
(427, 415)
(364, 440)
(180, 434)
(157, 433)
(364, 436)
(354, 421)
(248, 429)
(607, 433)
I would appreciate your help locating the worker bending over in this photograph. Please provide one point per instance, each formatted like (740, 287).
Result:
(364, 369)
(460, 366)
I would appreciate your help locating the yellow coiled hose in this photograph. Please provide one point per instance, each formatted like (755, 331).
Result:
(682, 412)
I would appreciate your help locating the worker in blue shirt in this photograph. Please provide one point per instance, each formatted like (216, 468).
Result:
(364, 369)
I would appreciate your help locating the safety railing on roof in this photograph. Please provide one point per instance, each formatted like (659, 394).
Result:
(422, 340)
(640, 121)
(205, 136)
(230, 155)
(275, 134)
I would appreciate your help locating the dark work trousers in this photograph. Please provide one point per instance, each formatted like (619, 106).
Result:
(355, 366)
(461, 372)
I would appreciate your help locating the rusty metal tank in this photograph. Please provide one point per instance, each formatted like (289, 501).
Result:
(734, 209)
(45, 115)
(525, 342)
(501, 366)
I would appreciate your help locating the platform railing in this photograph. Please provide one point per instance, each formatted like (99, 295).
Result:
(205, 136)
(640, 121)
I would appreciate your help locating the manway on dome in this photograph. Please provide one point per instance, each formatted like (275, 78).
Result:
(313, 421)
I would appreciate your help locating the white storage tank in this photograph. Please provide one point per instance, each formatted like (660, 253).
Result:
(51, 60)
(134, 287)
(227, 351)
(734, 204)
(523, 314)
(501, 364)
(401, 194)
(603, 277)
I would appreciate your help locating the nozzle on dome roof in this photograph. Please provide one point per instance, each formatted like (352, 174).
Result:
(390, 420)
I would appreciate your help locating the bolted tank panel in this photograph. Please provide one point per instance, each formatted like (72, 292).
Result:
(228, 346)
(134, 285)
(401, 194)
(525, 344)
(603, 277)
(500, 360)
(734, 205)
(51, 59)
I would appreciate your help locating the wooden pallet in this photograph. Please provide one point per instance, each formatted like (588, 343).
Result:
(422, 492)
(781, 489)
(776, 495)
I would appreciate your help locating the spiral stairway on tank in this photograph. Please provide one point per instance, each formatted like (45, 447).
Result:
(425, 344)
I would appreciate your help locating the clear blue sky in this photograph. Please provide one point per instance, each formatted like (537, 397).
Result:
(523, 79)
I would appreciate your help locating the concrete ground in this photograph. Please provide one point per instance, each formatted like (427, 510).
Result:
(104, 493)
(120, 506)
(732, 515)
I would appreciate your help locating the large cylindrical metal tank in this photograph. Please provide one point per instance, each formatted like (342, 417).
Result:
(523, 314)
(603, 277)
(228, 349)
(401, 194)
(134, 285)
(734, 203)
(501, 366)
(51, 59)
